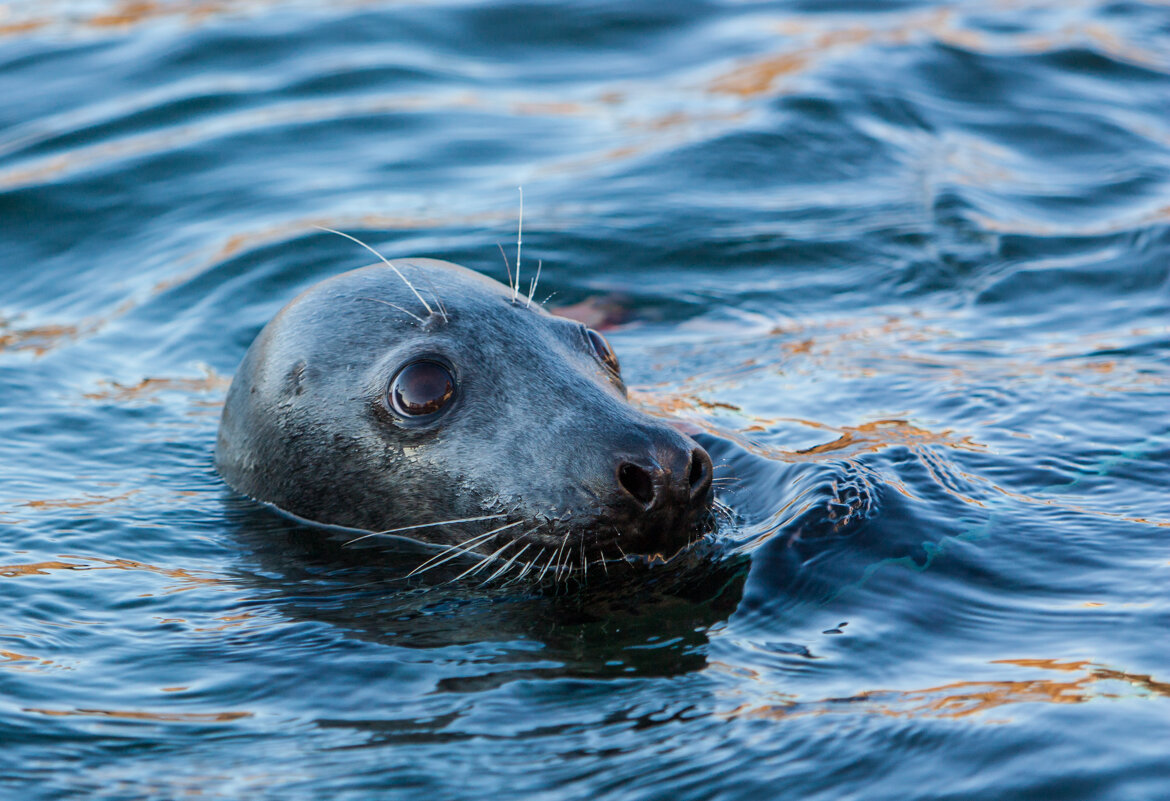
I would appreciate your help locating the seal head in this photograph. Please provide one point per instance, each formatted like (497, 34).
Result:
(363, 404)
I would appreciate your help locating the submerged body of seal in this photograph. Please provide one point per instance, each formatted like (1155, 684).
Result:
(475, 418)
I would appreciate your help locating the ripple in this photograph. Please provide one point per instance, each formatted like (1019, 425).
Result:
(901, 269)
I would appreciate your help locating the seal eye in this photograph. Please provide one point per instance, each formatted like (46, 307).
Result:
(421, 388)
(604, 351)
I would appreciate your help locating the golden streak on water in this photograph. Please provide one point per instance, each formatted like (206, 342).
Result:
(150, 388)
(964, 699)
(137, 714)
(88, 563)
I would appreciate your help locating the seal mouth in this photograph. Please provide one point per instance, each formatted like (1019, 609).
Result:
(555, 549)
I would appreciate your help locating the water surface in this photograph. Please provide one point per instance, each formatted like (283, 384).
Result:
(905, 265)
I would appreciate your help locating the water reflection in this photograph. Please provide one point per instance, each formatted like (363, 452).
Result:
(652, 623)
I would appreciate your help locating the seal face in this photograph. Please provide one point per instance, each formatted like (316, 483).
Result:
(474, 418)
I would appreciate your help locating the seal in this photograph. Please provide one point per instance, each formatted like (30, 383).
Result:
(467, 416)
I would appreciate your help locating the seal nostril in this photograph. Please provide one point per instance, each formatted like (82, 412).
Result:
(700, 473)
(636, 481)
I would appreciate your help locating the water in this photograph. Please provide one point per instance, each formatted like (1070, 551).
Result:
(907, 265)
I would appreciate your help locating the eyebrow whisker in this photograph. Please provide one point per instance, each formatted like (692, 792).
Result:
(519, 231)
(532, 285)
(385, 261)
(395, 306)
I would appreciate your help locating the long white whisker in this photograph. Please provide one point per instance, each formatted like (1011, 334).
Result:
(395, 306)
(557, 570)
(385, 261)
(461, 548)
(507, 266)
(484, 562)
(562, 562)
(450, 551)
(507, 564)
(523, 572)
(519, 231)
(535, 281)
(424, 525)
(528, 566)
(435, 292)
(547, 565)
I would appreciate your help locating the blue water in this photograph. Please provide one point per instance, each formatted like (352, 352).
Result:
(905, 265)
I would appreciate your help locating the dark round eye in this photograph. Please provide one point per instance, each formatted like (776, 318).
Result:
(421, 388)
(604, 351)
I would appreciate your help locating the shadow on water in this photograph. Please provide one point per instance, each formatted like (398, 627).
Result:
(651, 623)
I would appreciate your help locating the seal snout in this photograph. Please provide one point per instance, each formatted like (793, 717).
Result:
(656, 487)
(663, 491)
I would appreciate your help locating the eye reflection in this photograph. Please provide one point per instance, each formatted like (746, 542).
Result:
(421, 388)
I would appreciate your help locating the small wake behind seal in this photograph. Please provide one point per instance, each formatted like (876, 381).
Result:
(473, 419)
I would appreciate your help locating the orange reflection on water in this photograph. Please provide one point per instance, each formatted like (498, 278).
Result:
(760, 76)
(186, 578)
(37, 569)
(851, 441)
(137, 714)
(150, 388)
(18, 661)
(78, 503)
(816, 42)
(881, 434)
(39, 339)
(249, 240)
(963, 699)
(124, 14)
(228, 622)
(177, 137)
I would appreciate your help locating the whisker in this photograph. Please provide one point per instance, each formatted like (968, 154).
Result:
(508, 564)
(460, 548)
(564, 563)
(535, 281)
(547, 565)
(555, 560)
(557, 571)
(424, 525)
(528, 566)
(519, 231)
(438, 301)
(485, 561)
(507, 266)
(384, 261)
(450, 551)
(395, 306)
